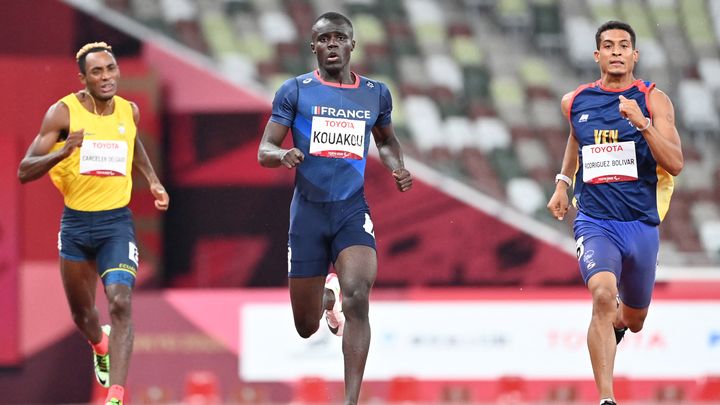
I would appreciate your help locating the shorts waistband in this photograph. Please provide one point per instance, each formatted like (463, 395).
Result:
(354, 196)
(69, 211)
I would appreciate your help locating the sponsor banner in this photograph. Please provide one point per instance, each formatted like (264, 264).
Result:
(463, 340)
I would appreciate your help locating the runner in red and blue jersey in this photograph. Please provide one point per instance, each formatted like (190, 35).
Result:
(333, 113)
(623, 151)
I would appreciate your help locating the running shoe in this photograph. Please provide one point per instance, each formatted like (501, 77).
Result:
(619, 334)
(113, 401)
(335, 317)
(102, 363)
(608, 402)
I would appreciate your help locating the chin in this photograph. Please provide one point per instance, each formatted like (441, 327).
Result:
(617, 72)
(105, 97)
(334, 68)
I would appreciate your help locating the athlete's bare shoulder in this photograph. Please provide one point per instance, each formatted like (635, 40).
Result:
(135, 111)
(57, 117)
(657, 95)
(565, 103)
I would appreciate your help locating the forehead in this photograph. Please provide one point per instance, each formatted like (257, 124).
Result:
(100, 58)
(615, 35)
(326, 26)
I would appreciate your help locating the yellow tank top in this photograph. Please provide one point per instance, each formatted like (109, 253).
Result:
(97, 176)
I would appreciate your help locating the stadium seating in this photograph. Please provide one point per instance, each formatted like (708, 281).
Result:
(482, 79)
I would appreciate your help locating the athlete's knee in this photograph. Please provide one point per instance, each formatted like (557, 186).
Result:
(306, 327)
(356, 301)
(120, 305)
(635, 326)
(634, 323)
(604, 300)
(82, 316)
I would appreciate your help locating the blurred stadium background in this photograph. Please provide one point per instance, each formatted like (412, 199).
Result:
(477, 300)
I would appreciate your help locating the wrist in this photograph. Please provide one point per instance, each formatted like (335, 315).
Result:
(648, 122)
(563, 179)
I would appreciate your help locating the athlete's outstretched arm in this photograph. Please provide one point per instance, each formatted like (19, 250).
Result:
(558, 204)
(661, 134)
(391, 155)
(142, 163)
(271, 153)
(38, 159)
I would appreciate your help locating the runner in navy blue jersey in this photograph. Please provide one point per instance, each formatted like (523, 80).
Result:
(333, 113)
(623, 151)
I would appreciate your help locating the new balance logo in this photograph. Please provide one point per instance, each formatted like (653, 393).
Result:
(584, 118)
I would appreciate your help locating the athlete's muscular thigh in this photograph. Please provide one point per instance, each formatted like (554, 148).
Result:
(80, 282)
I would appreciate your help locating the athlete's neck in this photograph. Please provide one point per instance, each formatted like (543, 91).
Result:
(616, 81)
(344, 76)
(99, 107)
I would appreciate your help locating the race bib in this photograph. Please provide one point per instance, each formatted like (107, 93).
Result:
(337, 138)
(103, 158)
(609, 162)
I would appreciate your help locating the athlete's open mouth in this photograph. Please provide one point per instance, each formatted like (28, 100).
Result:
(333, 57)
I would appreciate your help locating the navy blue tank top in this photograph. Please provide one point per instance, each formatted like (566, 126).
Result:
(332, 125)
(596, 120)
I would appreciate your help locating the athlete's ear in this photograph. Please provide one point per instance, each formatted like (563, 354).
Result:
(636, 55)
(597, 56)
(353, 46)
(312, 46)
(82, 79)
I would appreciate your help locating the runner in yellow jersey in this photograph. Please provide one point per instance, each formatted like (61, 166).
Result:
(88, 144)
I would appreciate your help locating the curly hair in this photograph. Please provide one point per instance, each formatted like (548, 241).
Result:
(90, 48)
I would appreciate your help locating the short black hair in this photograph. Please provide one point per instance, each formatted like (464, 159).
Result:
(334, 17)
(82, 54)
(615, 25)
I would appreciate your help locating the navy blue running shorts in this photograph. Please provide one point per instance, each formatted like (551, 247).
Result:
(319, 231)
(107, 237)
(627, 249)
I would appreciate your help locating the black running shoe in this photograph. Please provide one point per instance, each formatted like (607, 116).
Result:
(608, 402)
(619, 334)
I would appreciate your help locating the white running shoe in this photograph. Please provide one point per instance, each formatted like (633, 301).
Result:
(335, 317)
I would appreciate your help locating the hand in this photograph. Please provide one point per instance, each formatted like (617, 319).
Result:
(292, 158)
(74, 140)
(162, 199)
(630, 109)
(403, 179)
(558, 205)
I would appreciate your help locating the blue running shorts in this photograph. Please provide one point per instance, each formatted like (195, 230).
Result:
(627, 249)
(108, 237)
(319, 231)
